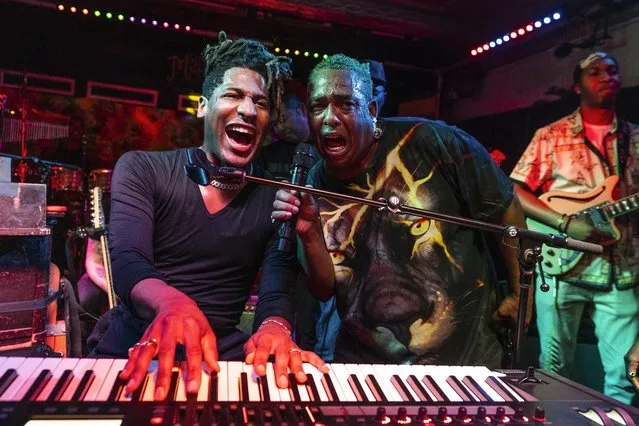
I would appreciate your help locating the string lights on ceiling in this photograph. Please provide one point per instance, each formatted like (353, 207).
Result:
(166, 25)
(297, 52)
(121, 17)
(516, 33)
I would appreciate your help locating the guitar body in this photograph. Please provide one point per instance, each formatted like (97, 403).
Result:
(558, 261)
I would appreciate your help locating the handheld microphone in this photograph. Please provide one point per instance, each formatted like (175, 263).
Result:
(302, 162)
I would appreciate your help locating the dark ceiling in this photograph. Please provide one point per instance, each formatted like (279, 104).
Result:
(409, 36)
(422, 33)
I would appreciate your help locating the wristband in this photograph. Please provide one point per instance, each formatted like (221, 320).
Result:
(276, 322)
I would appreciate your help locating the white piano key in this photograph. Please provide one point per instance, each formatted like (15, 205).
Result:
(223, 382)
(513, 394)
(78, 371)
(205, 384)
(284, 394)
(25, 371)
(234, 370)
(384, 374)
(11, 363)
(110, 379)
(148, 390)
(368, 370)
(63, 365)
(100, 369)
(47, 364)
(439, 375)
(301, 388)
(311, 370)
(480, 374)
(454, 382)
(253, 384)
(339, 376)
(354, 369)
(2, 360)
(180, 388)
(404, 371)
(274, 392)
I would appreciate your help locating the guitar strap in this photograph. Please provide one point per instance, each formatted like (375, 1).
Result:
(623, 147)
(623, 142)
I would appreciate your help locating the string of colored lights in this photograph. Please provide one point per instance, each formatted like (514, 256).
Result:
(162, 24)
(297, 52)
(121, 17)
(519, 32)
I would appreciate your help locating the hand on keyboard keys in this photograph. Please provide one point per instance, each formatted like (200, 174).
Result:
(273, 339)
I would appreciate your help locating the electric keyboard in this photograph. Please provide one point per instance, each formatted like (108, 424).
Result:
(70, 391)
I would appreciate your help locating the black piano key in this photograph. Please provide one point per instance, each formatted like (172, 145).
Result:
(292, 385)
(61, 386)
(311, 387)
(419, 389)
(398, 383)
(137, 394)
(472, 383)
(329, 387)
(191, 397)
(244, 390)
(175, 375)
(371, 381)
(432, 384)
(7, 378)
(459, 388)
(38, 384)
(118, 387)
(357, 388)
(265, 394)
(83, 387)
(213, 387)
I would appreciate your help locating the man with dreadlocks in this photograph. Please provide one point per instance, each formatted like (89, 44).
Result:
(184, 256)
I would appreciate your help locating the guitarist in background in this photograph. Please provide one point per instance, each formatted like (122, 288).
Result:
(575, 154)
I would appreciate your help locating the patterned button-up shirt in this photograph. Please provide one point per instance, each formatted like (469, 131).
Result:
(560, 157)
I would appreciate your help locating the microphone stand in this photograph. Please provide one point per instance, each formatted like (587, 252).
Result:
(529, 241)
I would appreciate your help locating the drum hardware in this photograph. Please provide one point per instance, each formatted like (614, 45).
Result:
(45, 165)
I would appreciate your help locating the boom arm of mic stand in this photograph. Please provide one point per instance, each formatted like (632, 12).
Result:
(394, 206)
(36, 160)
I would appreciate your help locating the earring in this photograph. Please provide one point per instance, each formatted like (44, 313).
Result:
(377, 132)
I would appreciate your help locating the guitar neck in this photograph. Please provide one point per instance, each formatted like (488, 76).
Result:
(622, 206)
(108, 275)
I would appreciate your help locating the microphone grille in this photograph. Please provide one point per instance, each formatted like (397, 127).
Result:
(303, 156)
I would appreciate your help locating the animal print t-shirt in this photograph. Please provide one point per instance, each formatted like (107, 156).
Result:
(413, 290)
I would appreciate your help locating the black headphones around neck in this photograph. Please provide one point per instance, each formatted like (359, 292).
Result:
(201, 171)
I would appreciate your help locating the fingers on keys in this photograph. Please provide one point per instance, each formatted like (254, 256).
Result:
(209, 346)
(166, 357)
(261, 353)
(193, 348)
(139, 359)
